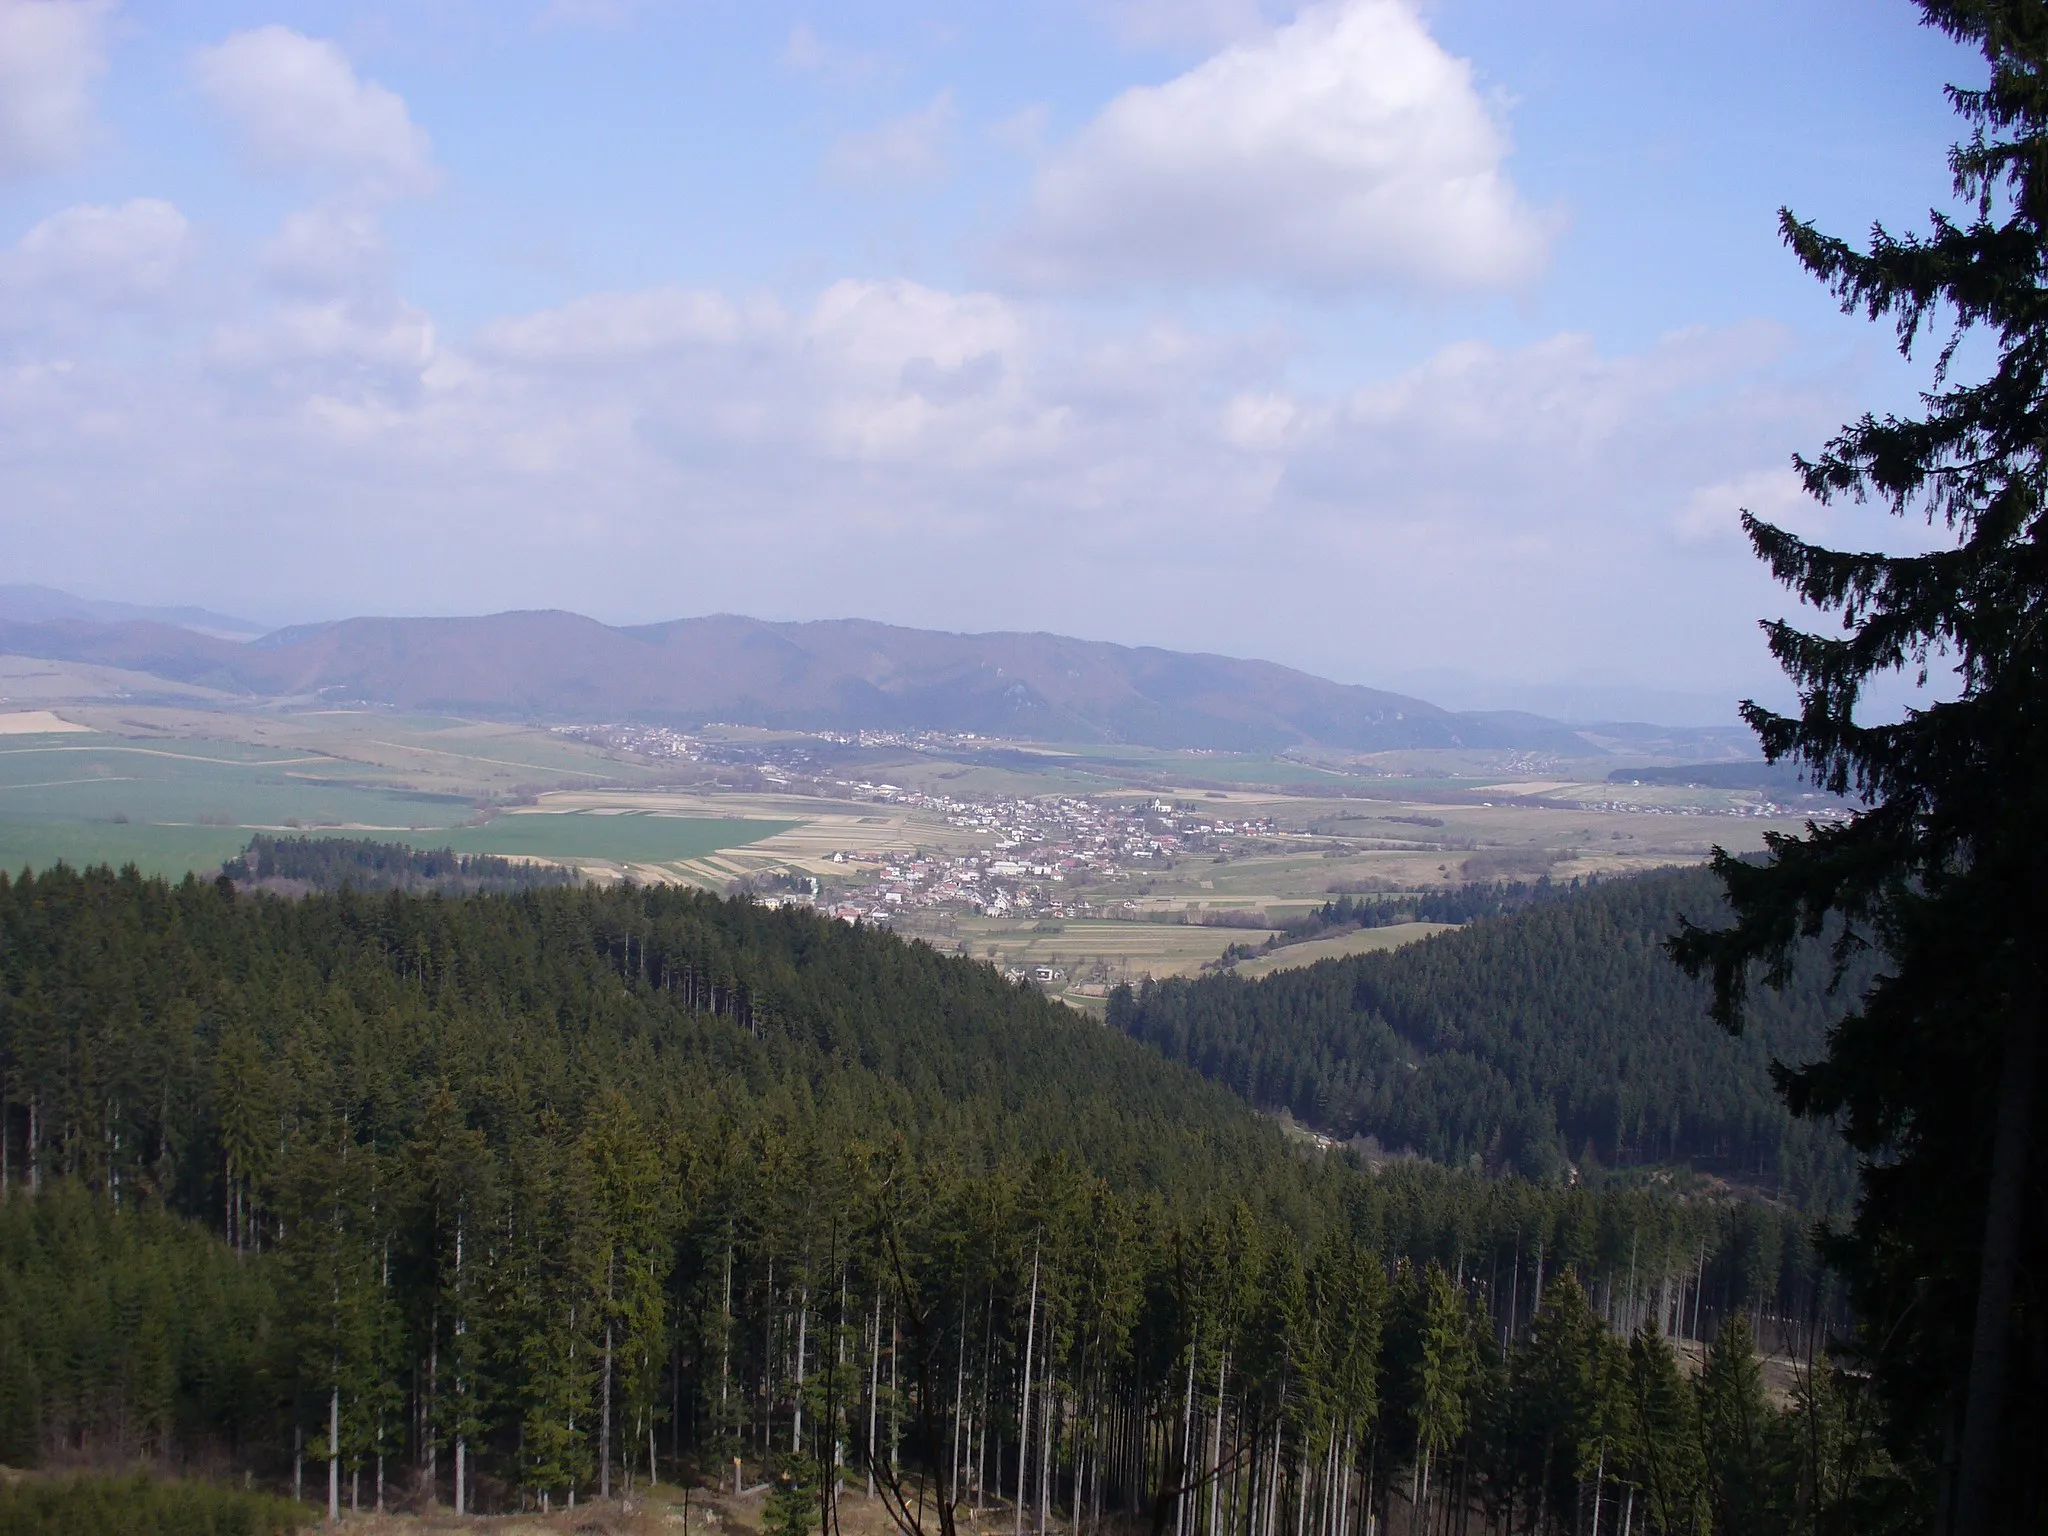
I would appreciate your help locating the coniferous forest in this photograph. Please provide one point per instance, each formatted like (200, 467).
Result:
(506, 1201)
(1558, 1034)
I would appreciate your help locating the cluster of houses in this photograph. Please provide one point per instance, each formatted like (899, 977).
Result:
(1056, 857)
(1039, 858)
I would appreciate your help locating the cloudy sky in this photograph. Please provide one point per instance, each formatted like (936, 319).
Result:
(1425, 344)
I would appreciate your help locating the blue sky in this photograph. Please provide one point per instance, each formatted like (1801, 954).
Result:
(1424, 345)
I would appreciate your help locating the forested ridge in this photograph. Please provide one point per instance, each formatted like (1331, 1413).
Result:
(1560, 1031)
(502, 1200)
(291, 865)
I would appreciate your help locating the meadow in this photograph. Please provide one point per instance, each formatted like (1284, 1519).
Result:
(1360, 941)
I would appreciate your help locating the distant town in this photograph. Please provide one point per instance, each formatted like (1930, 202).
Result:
(1039, 857)
(1034, 848)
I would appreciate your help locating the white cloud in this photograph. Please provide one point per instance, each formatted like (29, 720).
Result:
(1343, 150)
(51, 52)
(1262, 421)
(101, 256)
(906, 452)
(332, 247)
(301, 106)
(608, 327)
(1711, 516)
(911, 148)
(332, 347)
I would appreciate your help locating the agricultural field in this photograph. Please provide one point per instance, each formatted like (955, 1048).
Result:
(1101, 952)
(182, 786)
(622, 844)
(96, 764)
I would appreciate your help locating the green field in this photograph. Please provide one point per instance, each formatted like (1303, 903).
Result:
(168, 806)
(155, 850)
(159, 849)
(94, 780)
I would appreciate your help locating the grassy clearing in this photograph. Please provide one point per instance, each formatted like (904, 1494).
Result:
(1102, 949)
(1362, 941)
(142, 1506)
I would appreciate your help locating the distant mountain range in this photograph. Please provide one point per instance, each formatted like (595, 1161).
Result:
(844, 674)
(22, 603)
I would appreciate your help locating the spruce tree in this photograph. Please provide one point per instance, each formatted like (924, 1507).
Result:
(1733, 1417)
(1943, 869)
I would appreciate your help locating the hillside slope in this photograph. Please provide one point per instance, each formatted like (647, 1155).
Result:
(1558, 1031)
(843, 674)
(507, 1197)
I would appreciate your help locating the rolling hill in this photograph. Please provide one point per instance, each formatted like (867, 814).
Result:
(845, 674)
(1561, 1031)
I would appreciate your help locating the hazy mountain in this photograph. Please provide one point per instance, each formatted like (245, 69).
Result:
(839, 674)
(25, 603)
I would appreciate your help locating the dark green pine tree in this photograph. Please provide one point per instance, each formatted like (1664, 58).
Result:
(1944, 870)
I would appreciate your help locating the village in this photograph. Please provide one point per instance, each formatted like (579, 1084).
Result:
(1041, 857)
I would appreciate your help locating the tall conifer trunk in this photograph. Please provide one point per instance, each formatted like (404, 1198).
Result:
(334, 1456)
(1024, 1410)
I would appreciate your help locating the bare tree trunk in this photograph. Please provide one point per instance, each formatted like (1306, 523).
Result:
(1216, 1455)
(433, 1441)
(1181, 1504)
(1024, 1411)
(461, 1436)
(874, 1390)
(803, 1326)
(1045, 1433)
(959, 1388)
(334, 1456)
